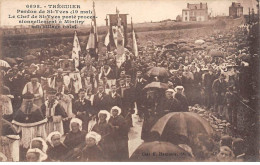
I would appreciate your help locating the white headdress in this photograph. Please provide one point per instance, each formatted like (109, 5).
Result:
(44, 145)
(42, 156)
(105, 112)
(76, 120)
(117, 108)
(179, 87)
(51, 135)
(94, 135)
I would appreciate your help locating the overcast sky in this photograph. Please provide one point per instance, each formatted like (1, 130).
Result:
(140, 11)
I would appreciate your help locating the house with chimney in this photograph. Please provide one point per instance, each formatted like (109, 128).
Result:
(195, 12)
(235, 10)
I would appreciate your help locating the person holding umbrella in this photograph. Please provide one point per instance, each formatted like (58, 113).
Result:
(219, 91)
(167, 104)
(149, 104)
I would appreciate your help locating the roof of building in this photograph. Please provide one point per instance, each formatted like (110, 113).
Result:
(198, 6)
(234, 4)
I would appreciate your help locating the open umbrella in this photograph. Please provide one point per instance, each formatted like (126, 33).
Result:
(4, 64)
(199, 42)
(185, 49)
(181, 124)
(8, 128)
(170, 46)
(198, 48)
(18, 59)
(29, 57)
(10, 61)
(160, 152)
(158, 71)
(156, 85)
(171, 51)
(244, 56)
(216, 53)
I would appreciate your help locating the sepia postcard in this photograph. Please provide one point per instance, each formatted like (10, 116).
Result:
(129, 81)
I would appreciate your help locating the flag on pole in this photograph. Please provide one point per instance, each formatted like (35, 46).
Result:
(135, 49)
(75, 50)
(91, 39)
(107, 39)
(120, 43)
(92, 45)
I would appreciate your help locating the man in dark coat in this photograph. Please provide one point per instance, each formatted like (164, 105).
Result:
(114, 97)
(149, 104)
(128, 101)
(207, 82)
(82, 109)
(219, 91)
(140, 83)
(100, 101)
(31, 121)
(167, 103)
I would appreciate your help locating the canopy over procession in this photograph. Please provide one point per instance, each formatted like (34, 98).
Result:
(190, 98)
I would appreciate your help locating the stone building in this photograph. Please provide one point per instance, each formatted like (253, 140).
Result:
(195, 12)
(235, 10)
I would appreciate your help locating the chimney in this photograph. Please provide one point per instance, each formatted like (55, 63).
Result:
(188, 5)
(200, 5)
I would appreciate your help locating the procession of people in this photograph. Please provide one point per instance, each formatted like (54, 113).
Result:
(85, 113)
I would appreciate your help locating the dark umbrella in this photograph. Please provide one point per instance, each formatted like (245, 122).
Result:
(8, 128)
(157, 85)
(216, 53)
(19, 59)
(198, 48)
(185, 49)
(244, 56)
(29, 57)
(160, 152)
(170, 46)
(181, 124)
(158, 71)
(171, 51)
(11, 61)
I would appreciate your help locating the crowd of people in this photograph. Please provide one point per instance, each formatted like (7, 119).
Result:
(63, 113)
